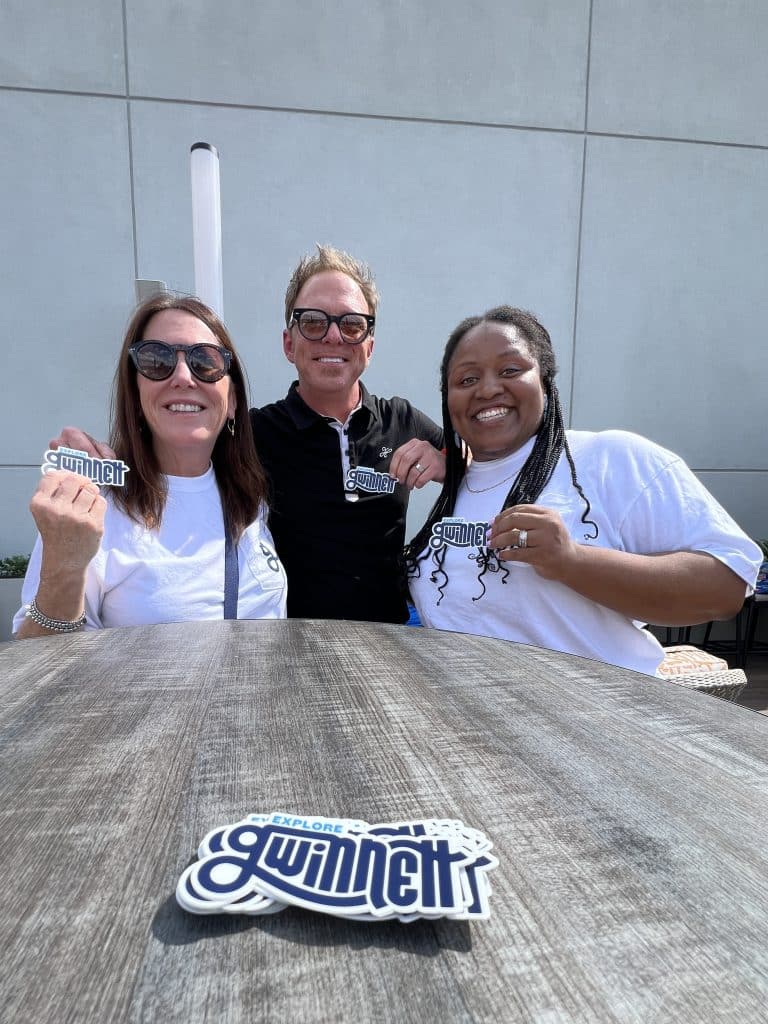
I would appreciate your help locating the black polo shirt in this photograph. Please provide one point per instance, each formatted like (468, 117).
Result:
(343, 558)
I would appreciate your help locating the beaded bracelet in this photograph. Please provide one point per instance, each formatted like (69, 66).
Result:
(55, 625)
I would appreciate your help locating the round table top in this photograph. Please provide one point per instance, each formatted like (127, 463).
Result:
(628, 815)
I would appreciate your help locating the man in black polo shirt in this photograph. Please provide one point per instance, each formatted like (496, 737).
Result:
(341, 461)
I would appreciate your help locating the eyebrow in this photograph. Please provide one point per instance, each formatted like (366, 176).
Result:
(516, 353)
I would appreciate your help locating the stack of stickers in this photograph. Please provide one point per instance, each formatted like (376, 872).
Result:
(404, 870)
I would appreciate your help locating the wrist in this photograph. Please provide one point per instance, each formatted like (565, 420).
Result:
(55, 625)
(61, 595)
(569, 565)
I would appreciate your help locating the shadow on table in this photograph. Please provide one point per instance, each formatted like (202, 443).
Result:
(176, 927)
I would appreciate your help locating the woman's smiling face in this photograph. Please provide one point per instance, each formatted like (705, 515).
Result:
(495, 393)
(184, 415)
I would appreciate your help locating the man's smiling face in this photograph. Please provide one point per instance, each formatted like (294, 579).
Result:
(329, 368)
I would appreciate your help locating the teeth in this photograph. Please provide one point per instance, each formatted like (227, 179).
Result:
(184, 407)
(491, 414)
(331, 359)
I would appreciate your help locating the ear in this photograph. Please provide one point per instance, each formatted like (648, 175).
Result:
(231, 402)
(369, 344)
(288, 348)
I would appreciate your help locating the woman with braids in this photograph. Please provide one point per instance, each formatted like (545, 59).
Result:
(567, 540)
(185, 537)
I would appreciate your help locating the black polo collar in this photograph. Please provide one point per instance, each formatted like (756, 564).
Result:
(303, 417)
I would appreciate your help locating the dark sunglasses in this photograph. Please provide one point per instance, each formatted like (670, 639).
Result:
(314, 324)
(156, 360)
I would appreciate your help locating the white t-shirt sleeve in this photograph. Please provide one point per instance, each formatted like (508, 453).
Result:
(673, 511)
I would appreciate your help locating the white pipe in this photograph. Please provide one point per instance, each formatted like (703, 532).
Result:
(206, 225)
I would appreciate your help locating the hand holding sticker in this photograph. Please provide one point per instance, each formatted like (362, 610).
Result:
(69, 513)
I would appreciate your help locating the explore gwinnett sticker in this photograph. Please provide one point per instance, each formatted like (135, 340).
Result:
(100, 471)
(458, 533)
(362, 478)
(404, 870)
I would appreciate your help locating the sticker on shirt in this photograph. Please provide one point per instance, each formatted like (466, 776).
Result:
(454, 532)
(399, 870)
(101, 471)
(361, 478)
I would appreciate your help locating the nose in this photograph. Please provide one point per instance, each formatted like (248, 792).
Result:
(182, 376)
(489, 385)
(333, 335)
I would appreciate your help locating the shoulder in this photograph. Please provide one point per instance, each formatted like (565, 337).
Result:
(289, 414)
(619, 446)
(400, 410)
(272, 422)
(270, 413)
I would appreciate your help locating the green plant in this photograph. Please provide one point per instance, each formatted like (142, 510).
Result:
(13, 567)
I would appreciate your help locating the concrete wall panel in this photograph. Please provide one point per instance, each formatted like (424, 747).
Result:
(693, 69)
(521, 63)
(672, 300)
(67, 259)
(77, 45)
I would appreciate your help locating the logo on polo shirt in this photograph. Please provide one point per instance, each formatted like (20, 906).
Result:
(362, 478)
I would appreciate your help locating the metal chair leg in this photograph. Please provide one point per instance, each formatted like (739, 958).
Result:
(751, 629)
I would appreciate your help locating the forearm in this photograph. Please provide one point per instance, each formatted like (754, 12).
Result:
(69, 512)
(677, 588)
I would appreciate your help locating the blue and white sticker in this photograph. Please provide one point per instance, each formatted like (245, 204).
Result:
(361, 478)
(101, 471)
(455, 532)
(404, 870)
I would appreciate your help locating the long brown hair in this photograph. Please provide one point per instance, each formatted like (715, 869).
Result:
(239, 474)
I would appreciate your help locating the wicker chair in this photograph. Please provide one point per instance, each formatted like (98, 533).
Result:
(727, 684)
(700, 670)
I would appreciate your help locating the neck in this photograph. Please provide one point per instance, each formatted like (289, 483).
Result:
(338, 406)
(183, 463)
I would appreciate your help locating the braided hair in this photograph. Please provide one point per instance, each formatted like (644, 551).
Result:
(537, 471)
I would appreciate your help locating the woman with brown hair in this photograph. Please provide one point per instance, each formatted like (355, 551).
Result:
(192, 510)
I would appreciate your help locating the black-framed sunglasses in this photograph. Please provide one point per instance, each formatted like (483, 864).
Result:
(156, 360)
(314, 324)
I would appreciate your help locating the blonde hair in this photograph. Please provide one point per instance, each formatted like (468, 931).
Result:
(329, 258)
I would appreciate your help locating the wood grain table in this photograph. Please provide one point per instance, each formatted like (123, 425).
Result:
(629, 816)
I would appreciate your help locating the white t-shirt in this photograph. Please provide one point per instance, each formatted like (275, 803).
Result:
(644, 499)
(174, 574)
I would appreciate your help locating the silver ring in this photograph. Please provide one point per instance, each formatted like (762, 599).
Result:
(419, 467)
(522, 538)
